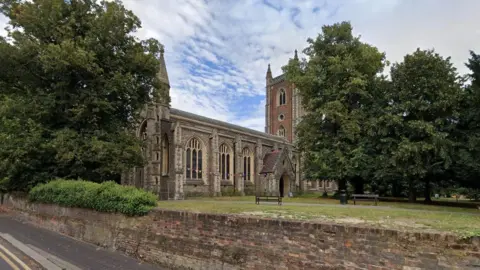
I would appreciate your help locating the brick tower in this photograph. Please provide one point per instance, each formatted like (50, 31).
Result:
(283, 107)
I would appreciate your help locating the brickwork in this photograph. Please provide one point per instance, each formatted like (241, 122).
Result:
(181, 240)
(281, 115)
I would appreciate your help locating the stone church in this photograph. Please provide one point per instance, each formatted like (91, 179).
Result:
(190, 155)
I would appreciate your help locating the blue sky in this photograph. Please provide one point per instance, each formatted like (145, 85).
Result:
(217, 51)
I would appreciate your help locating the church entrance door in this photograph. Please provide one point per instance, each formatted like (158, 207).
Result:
(281, 187)
(284, 185)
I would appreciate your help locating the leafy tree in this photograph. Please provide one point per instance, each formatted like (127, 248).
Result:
(466, 169)
(335, 84)
(72, 82)
(423, 112)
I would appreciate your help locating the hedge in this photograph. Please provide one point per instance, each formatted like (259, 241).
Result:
(104, 197)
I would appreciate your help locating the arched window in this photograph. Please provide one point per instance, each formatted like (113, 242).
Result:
(247, 164)
(165, 155)
(194, 160)
(294, 163)
(143, 130)
(282, 97)
(281, 131)
(225, 162)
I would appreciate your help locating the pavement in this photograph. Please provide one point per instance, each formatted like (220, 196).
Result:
(24, 246)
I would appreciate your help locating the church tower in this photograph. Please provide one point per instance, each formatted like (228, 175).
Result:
(283, 105)
(158, 149)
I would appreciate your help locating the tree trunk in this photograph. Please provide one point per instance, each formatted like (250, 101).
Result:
(395, 189)
(426, 191)
(358, 184)
(342, 184)
(325, 193)
(412, 197)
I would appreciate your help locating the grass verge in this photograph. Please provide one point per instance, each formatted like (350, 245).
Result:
(460, 223)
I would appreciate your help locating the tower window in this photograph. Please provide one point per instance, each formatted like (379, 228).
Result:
(282, 97)
(281, 131)
(281, 117)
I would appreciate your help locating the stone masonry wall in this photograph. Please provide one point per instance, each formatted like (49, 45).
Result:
(181, 240)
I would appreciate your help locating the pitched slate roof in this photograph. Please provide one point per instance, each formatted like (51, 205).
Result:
(197, 117)
(269, 161)
(279, 79)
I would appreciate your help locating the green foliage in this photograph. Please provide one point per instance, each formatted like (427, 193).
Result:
(422, 114)
(417, 130)
(104, 197)
(336, 84)
(73, 80)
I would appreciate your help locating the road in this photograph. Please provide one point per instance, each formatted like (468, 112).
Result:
(24, 246)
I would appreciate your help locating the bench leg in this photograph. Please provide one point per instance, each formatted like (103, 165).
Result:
(354, 203)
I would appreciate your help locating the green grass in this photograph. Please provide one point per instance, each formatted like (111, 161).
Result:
(316, 200)
(464, 222)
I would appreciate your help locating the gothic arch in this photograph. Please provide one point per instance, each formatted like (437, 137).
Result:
(142, 128)
(227, 142)
(195, 159)
(284, 166)
(225, 162)
(282, 132)
(165, 154)
(187, 140)
(248, 164)
(282, 97)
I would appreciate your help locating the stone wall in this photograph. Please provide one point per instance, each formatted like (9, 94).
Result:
(181, 240)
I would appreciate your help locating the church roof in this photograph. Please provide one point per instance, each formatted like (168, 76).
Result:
(269, 161)
(200, 118)
(278, 79)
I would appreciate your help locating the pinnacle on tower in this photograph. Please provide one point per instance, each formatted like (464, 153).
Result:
(296, 55)
(162, 73)
(269, 72)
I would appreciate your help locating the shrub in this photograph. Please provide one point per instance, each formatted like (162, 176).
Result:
(230, 191)
(104, 197)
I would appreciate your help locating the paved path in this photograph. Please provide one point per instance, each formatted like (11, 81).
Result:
(60, 252)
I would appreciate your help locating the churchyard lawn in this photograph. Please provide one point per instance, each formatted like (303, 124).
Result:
(402, 216)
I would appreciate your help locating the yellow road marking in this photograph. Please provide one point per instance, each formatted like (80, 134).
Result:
(7, 260)
(22, 264)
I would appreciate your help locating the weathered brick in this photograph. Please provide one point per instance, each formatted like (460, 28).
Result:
(176, 239)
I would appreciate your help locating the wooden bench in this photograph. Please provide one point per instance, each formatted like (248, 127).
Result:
(365, 196)
(268, 198)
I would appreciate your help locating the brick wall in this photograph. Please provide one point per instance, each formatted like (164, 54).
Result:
(181, 240)
(286, 109)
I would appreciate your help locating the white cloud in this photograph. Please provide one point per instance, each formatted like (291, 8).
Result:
(217, 51)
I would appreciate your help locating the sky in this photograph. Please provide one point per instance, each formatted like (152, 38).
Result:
(217, 51)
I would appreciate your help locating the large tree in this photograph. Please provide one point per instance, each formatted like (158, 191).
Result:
(466, 166)
(336, 84)
(423, 112)
(72, 82)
